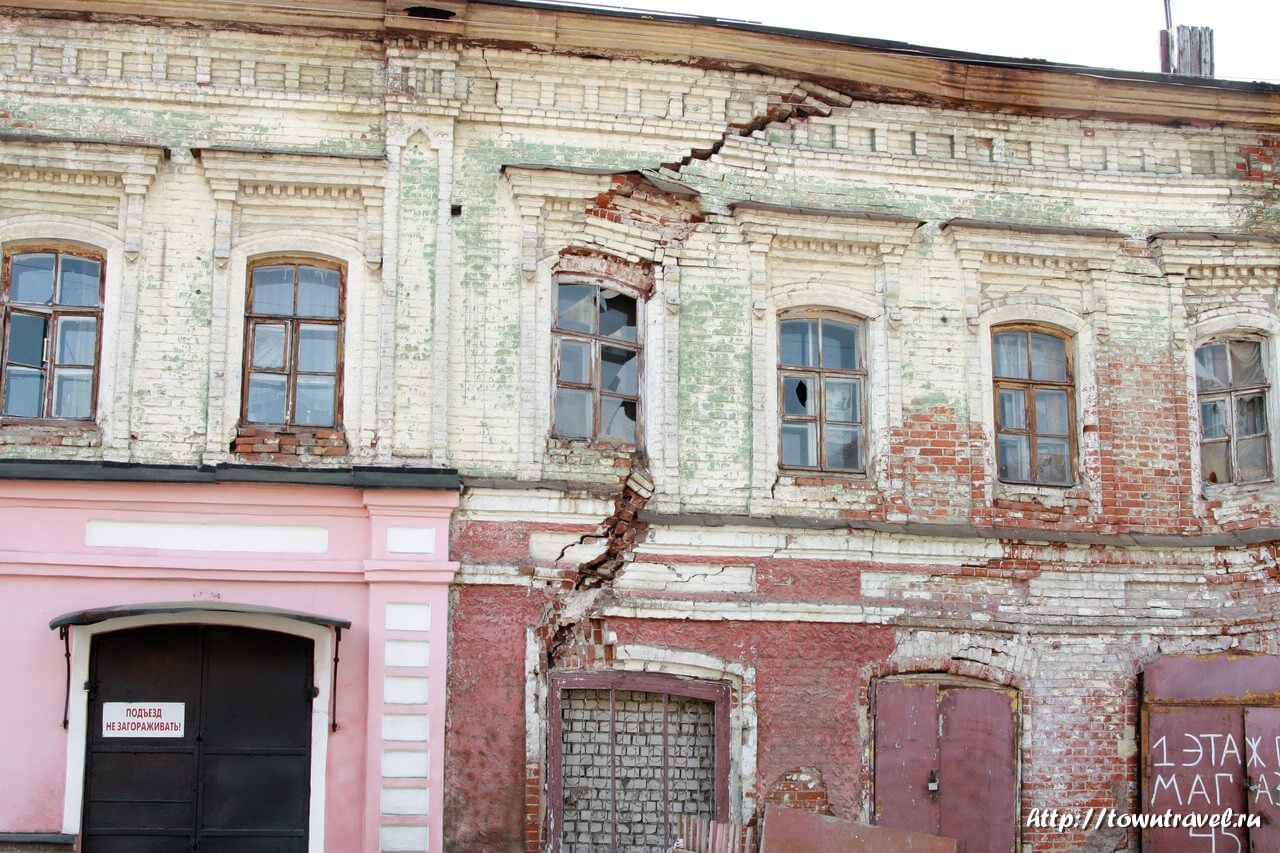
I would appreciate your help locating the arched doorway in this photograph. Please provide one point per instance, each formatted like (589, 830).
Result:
(199, 737)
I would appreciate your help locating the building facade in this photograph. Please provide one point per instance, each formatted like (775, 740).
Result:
(839, 425)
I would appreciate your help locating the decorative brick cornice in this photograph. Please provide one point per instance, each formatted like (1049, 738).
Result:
(119, 168)
(246, 179)
(1217, 258)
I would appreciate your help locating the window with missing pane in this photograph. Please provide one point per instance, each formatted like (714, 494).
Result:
(822, 381)
(597, 364)
(1232, 387)
(293, 344)
(1035, 406)
(51, 312)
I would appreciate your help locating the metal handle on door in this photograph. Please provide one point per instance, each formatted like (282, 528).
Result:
(933, 781)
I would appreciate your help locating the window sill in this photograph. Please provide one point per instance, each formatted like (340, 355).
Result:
(617, 448)
(288, 444)
(803, 479)
(1218, 491)
(1049, 497)
(49, 432)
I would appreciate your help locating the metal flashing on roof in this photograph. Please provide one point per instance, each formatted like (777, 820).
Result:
(121, 611)
(889, 46)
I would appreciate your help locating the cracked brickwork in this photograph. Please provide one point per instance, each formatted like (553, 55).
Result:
(458, 182)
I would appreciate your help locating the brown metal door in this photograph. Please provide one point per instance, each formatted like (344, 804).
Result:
(1262, 770)
(1194, 764)
(946, 761)
(906, 750)
(978, 768)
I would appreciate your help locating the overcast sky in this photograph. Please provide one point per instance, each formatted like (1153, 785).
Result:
(1102, 33)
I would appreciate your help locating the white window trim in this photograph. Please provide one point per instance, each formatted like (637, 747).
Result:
(78, 710)
(828, 297)
(538, 350)
(115, 358)
(1223, 323)
(1084, 344)
(360, 355)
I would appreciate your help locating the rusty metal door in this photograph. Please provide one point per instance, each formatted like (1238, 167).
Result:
(946, 761)
(1211, 743)
(1262, 772)
(1194, 764)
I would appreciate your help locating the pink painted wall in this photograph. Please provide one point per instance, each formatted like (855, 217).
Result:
(46, 569)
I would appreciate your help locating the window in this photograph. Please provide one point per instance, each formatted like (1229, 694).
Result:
(293, 344)
(51, 307)
(1231, 383)
(1035, 405)
(822, 380)
(597, 394)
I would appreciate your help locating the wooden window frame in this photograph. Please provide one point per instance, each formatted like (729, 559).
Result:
(294, 323)
(596, 341)
(1230, 394)
(819, 375)
(52, 313)
(716, 692)
(1028, 388)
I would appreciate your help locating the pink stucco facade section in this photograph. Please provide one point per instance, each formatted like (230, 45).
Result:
(47, 569)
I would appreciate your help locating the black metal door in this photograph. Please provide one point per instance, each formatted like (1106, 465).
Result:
(237, 780)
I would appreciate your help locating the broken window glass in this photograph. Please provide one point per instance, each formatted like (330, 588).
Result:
(617, 315)
(798, 397)
(618, 418)
(821, 405)
(576, 307)
(597, 391)
(269, 345)
(618, 370)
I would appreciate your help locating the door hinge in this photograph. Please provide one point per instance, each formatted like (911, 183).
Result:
(312, 691)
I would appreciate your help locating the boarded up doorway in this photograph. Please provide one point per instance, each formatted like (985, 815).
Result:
(629, 754)
(946, 759)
